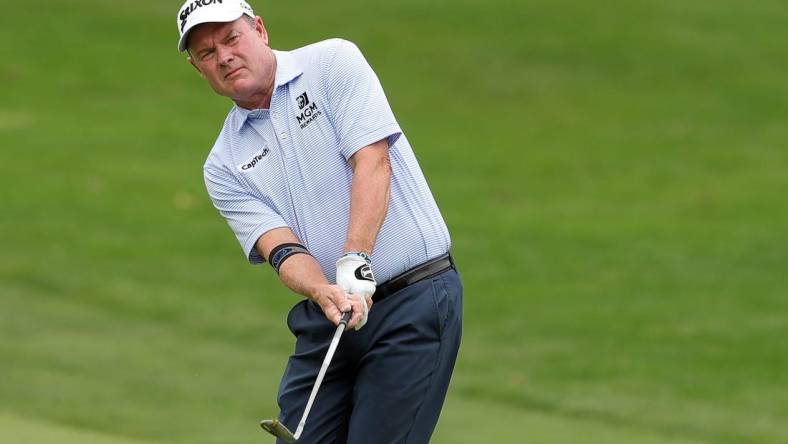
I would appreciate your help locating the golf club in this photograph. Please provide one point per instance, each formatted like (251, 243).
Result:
(276, 428)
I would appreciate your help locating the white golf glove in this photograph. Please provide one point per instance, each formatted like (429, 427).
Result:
(355, 277)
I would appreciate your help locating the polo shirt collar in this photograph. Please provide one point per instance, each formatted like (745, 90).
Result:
(287, 70)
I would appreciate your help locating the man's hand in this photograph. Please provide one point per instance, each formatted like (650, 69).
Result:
(302, 274)
(355, 277)
(333, 300)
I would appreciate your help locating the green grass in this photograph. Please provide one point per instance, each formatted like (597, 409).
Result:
(25, 431)
(613, 176)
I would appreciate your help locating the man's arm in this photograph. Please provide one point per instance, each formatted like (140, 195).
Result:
(369, 196)
(302, 274)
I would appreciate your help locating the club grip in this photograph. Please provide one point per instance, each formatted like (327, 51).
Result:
(345, 318)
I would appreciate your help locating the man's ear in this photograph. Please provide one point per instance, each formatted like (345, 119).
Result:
(259, 28)
(191, 62)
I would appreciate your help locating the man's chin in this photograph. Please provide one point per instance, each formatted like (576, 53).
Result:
(235, 83)
(237, 87)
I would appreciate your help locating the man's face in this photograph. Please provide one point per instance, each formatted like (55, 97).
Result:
(233, 57)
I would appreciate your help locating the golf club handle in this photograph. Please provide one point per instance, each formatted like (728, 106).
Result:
(345, 318)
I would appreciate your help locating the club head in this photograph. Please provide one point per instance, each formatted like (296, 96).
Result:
(276, 428)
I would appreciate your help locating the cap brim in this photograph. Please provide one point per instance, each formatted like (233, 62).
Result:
(206, 15)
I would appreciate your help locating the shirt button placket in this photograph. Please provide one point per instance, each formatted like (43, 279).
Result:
(277, 124)
(279, 128)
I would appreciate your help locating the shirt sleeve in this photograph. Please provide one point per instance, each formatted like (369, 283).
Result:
(361, 112)
(247, 216)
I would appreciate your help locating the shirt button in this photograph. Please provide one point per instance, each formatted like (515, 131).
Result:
(284, 136)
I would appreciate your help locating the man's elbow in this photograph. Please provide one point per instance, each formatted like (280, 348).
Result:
(378, 166)
(384, 165)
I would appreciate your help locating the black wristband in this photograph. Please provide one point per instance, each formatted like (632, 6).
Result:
(280, 253)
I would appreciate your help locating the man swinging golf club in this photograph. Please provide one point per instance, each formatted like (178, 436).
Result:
(314, 175)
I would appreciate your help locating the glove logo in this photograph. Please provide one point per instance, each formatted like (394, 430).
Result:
(364, 273)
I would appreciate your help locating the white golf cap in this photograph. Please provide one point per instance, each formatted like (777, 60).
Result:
(195, 12)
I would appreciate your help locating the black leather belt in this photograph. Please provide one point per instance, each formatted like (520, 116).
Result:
(418, 273)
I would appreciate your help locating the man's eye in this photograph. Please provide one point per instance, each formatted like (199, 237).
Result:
(232, 38)
(206, 55)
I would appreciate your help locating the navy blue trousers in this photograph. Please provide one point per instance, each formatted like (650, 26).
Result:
(387, 382)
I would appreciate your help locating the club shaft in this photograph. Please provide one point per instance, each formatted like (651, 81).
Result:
(323, 368)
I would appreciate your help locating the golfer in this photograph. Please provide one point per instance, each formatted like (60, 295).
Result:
(314, 175)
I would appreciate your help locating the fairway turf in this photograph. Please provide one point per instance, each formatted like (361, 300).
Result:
(24, 431)
(613, 176)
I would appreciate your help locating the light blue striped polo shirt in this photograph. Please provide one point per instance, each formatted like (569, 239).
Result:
(288, 166)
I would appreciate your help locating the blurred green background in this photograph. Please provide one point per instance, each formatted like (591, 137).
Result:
(614, 175)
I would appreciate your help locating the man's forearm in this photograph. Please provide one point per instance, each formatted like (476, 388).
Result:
(302, 274)
(369, 201)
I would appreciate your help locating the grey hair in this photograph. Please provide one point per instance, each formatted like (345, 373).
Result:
(252, 21)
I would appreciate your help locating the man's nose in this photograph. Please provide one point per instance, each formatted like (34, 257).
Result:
(224, 54)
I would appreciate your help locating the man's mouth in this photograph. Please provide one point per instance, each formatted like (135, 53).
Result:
(232, 73)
